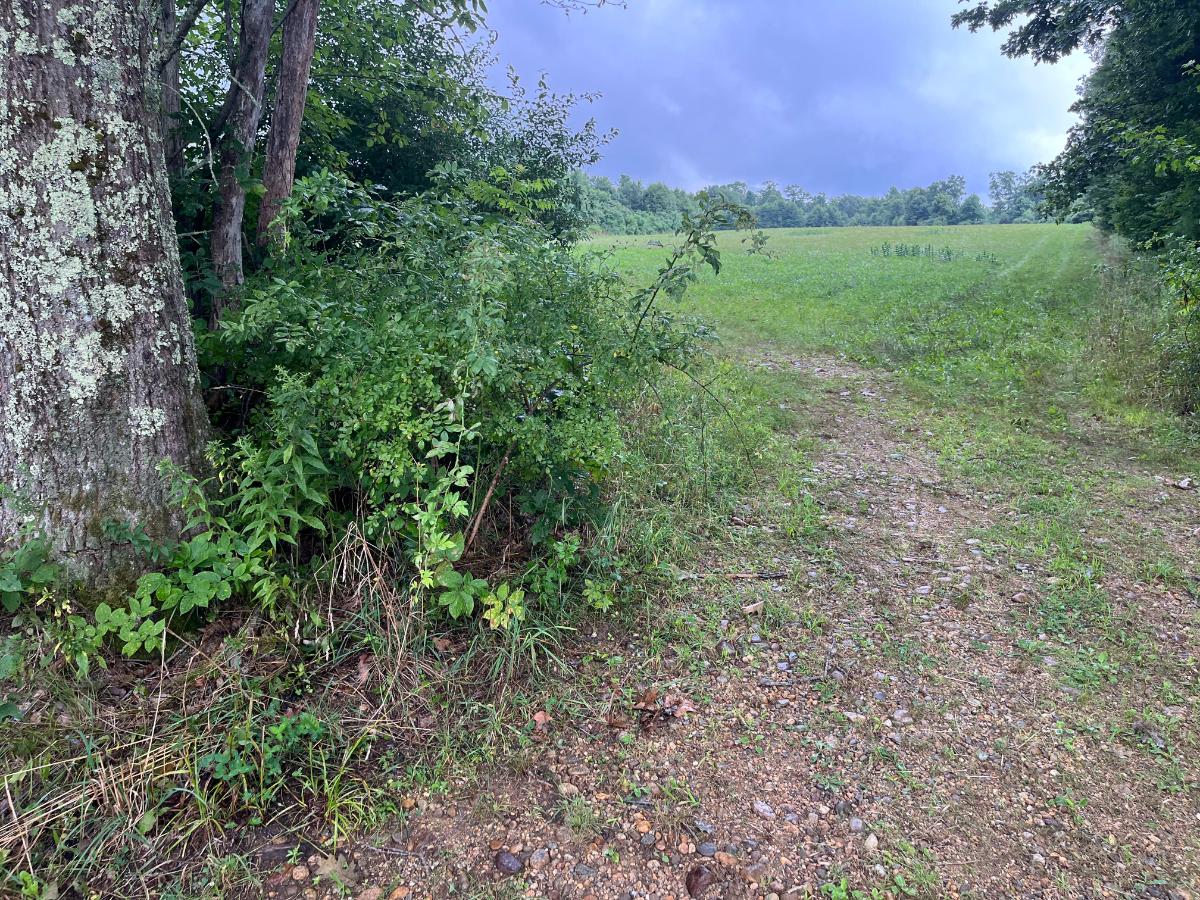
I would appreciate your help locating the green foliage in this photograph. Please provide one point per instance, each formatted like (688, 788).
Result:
(630, 208)
(26, 573)
(258, 762)
(398, 364)
(1179, 341)
(1132, 160)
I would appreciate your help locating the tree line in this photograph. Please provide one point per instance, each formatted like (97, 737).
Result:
(629, 207)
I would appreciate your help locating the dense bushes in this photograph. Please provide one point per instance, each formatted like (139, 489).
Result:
(1148, 322)
(397, 368)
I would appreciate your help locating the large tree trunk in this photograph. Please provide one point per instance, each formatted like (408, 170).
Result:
(240, 117)
(98, 378)
(279, 170)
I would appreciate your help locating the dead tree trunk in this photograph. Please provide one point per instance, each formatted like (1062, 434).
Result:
(239, 118)
(98, 378)
(279, 171)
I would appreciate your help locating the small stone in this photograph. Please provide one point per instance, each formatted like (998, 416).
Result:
(708, 848)
(783, 666)
(583, 870)
(507, 863)
(300, 873)
(763, 810)
(648, 839)
(878, 871)
(539, 858)
(400, 893)
(698, 880)
(871, 844)
(567, 789)
(856, 825)
(371, 893)
(1038, 860)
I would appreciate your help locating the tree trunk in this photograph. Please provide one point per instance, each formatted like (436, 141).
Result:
(98, 377)
(240, 115)
(170, 106)
(279, 171)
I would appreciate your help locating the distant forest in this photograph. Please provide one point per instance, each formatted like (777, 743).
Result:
(629, 207)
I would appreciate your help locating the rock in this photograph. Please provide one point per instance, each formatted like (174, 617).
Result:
(583, 870)
(763, 810)
(371, 893)
(539, 858)
(400, 893)
(878, 871)
(567, 789)
(856, 825)
(708, 848)
(699, 879)
(507, 863)
(300, 873)
(1038, 860)
(871, 844)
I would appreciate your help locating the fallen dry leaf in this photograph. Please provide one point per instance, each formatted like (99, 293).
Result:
(677, 705)
(364, 668)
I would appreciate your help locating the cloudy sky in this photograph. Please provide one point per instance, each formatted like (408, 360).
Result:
(848, 96)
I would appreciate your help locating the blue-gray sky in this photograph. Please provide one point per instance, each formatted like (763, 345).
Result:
(843, 96)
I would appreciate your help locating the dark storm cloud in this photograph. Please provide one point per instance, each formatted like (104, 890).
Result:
(841, 96)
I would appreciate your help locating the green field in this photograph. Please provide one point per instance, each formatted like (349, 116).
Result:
(999, 324)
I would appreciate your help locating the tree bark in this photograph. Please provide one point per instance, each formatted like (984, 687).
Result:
(170, 106)
(240, 117)
(98, 377)
(279, 171)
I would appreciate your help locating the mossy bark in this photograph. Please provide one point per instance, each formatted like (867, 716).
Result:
(98, 376)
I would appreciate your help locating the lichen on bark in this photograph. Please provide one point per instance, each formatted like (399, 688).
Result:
(98, 379)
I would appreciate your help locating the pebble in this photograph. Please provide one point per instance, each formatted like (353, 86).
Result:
(583, 870)
(708, 848)
(871, 844)
(539, 858)
(856, 825)
(300, 873)
(763, 810)
(507, 863)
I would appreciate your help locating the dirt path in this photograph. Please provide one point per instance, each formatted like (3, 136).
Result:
(881, 718)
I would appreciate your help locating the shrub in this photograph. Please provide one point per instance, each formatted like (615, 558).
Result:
(398, 368)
